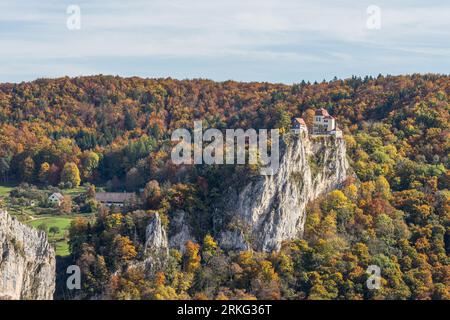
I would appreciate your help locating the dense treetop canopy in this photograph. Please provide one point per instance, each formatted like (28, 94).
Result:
(113, 131)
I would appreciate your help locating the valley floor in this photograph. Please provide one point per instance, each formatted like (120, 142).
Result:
(48, 219)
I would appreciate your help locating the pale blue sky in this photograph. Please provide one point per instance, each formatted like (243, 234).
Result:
(245, 40)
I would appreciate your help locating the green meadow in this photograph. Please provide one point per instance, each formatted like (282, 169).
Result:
(4, 190)
(58, 239)
(36, 216)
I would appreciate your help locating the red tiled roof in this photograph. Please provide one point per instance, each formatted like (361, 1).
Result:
(322, 112)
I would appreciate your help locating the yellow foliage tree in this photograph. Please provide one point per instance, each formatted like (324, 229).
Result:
(191, 257)
(71, 174)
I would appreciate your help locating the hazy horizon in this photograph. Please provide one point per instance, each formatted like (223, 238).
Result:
(218, 81)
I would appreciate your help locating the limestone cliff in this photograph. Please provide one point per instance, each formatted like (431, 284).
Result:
(156, 246)
(27, 261)
(180, 231)
(267, 210)
(272, 208)
(155, 237)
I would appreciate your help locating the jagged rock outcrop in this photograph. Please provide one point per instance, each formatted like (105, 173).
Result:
(156, 237)
(272, 208)
(156, 245)
(180, 231)
(269, 209)
(27, 261)
(158, 242)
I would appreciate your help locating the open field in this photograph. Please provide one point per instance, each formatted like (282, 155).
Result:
(62, 223)
(4, 190)
(73, 191)
(35, 216)
(58, 239)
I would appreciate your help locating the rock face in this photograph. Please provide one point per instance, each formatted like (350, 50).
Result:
(156, 237)
(269, 209)
(272, 208)
(156, 246)
(27, 262)
(180, 231)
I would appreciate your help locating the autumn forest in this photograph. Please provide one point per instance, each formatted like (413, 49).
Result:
(113, 134)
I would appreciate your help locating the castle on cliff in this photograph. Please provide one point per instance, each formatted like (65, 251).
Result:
(323, 124)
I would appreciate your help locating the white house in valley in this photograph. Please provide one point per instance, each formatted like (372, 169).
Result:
(56, 198)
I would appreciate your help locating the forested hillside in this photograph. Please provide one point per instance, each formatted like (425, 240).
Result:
(115, 132)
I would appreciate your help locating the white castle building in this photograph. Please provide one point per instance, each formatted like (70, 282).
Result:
(325, 124)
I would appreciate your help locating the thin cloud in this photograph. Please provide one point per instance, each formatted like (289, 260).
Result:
(267, 31)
